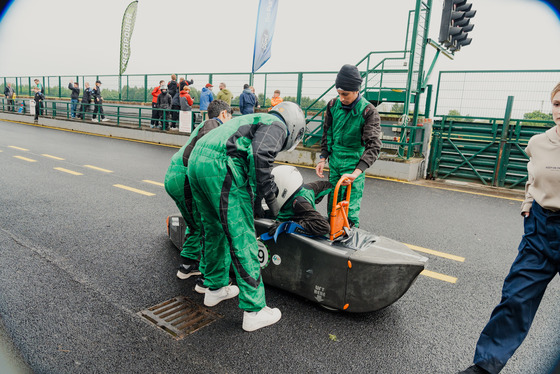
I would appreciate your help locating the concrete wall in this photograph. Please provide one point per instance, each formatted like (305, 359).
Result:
(385, 166)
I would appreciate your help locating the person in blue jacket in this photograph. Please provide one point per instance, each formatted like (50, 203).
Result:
(206, 97)
(247, 100)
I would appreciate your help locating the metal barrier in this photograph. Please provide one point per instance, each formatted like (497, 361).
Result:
(120, 115)
(485, 150)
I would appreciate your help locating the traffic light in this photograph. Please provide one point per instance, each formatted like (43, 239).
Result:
(455, 24)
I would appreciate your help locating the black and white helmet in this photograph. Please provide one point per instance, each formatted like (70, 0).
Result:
(293, 116)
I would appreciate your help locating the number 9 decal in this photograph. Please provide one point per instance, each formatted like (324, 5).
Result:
(264, 256)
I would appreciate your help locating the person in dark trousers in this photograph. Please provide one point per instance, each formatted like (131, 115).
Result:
(164, 104)
(9, 93)
(175, 106)
(247, 100)
(98, 101)
(155, 111)
(538, 259)
(173, 91)
(74, 95)
(86, 101)
(39, 97)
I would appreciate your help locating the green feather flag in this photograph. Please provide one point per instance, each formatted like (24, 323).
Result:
(126, 34)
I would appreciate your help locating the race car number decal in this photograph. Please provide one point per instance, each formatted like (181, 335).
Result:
(263, 254)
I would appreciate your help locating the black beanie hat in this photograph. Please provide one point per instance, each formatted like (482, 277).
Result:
(348, 78)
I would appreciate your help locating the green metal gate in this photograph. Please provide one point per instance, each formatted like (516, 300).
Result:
(485, 150)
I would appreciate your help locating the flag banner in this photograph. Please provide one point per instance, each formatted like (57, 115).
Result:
(266, 20)
(126, 34)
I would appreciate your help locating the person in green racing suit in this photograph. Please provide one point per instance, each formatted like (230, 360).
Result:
(351, 138)
(226, 171)
(178, 187)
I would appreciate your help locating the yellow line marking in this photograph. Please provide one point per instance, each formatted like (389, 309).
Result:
(93, 134)
(25, 159)
(435, 253)
(153, 182)
(283, 163)
(99, 169)
(134, 190)
(68, 171)
(438, 276)
(18, 148)
(53, 157)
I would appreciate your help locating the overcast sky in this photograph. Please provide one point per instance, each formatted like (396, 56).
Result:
(78, 37)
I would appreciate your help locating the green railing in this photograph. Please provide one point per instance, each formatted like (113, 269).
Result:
(483, 149)
(118, 114)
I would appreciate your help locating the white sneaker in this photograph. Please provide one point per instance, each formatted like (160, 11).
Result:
(105, 120)
(94, 120)
(265, 317)
(214, 297)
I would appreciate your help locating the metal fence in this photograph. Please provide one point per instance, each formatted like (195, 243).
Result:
(484, 93)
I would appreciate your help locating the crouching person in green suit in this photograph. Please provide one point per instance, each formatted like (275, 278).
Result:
(230, 175)
(178, 187)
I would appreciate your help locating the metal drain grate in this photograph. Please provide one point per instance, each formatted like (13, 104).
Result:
(179, 316)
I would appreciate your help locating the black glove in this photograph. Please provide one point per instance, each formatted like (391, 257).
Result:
(273, 205)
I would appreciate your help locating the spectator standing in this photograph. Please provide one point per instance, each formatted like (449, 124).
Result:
(86, 101)
(184, 82)
(206, 97)
(39, 97)
(98, 101)
(257, 104)
(164, 104)
(42, 90)
(39, 85)
(155, 111)
(224, 94)
(247, 100)
(9, 92)
(275, 99)
(176, 107)
(172, 85)
(186, 100)
(74, 95)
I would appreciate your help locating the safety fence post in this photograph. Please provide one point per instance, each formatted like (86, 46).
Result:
(145, 88)
(299, 87)
(503, 151)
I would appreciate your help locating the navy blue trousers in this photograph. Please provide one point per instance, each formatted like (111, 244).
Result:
(536, 265)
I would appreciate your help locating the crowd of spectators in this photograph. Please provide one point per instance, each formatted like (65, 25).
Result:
(168, 99)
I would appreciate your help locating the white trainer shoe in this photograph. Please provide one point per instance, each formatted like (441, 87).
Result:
(265, 317)
(105, 120)
(214, 297)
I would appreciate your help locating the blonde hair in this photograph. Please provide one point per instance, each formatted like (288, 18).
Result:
(555, 90)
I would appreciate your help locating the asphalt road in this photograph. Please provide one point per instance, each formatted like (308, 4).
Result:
(80, 257)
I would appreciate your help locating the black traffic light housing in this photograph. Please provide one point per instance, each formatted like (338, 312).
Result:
(455, 24)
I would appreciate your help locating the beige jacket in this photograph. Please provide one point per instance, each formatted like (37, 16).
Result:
(543, 184)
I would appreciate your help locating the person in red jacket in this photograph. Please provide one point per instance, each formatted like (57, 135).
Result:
(186, 100)
(155, 112)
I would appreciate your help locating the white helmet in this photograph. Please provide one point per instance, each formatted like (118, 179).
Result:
(289, 181)
(293, 116)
